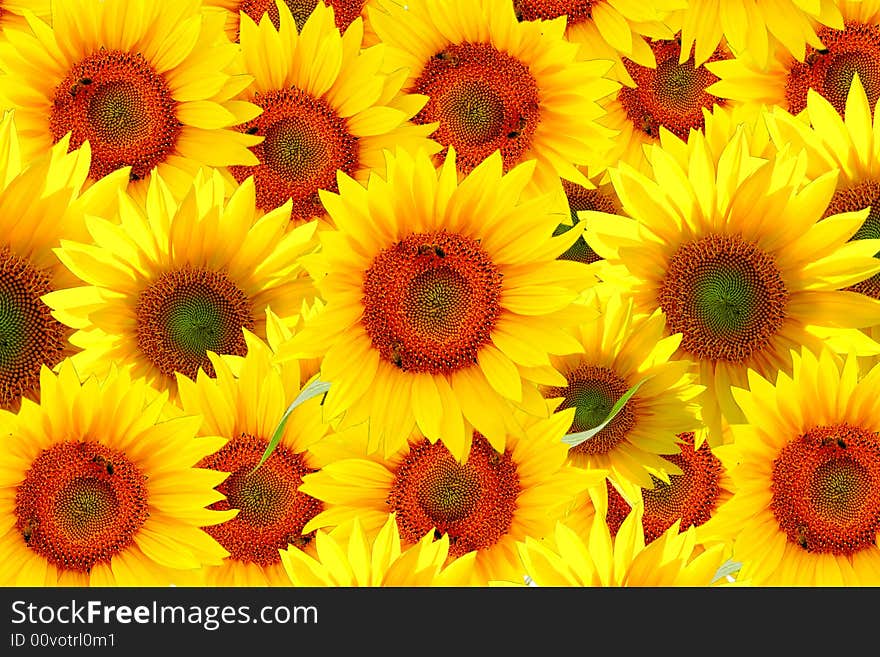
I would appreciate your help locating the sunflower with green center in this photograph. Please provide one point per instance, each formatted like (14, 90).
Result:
(99, 487)
(495, 84)
(244, 408)
(325, 108)
(147, 84)
(806, 466)
(757, 26)
(848, 145)
(347, 557)
(621, 351)
(735, 251)
(446, 297)
(844, 49)
(345, 12)
(484, 502)
(608, 29)
(569, 559)
(177, 279)
(39, 205)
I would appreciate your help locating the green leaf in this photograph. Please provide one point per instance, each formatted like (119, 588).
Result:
(575, 439)
(729, 567)
(315, 388)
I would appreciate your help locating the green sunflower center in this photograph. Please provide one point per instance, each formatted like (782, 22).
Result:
(592, 392)
(29, 336)
(826, 490)
(186, 313)
(431, 301)
(475, 112)
(856, 198)
(115, 112)
(725, 296)
(679, 86)
(272, 511)
(450, 492)
(294, 149)
(80, 503)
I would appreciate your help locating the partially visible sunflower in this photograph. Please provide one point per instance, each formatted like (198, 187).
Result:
(569, 559)
(176, 279)
(782, 80)
(40, 204)
(99, 487)
(325, 108)
(147, 84)
(245, 408)
(755, 27)
(608, 29)
(620, 351)
(345, 12)
(498, 84)
(347, 557)
(444, 296)
(806, 466)
(736, 253)
(484, 503)
(690, 498)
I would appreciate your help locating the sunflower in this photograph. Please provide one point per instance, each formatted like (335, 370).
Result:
(671, 94)
(689, 499)
(346, 557)
(780, 79)
(599, 559)
(806, 509)
(484, 503)
(756, 26)
(446, 297)
(607, 29)
(736, 253)
(849, 146)
(498, 84)
(244, 408)
(39, 205)
(99, 487)
(621, 351)
(147, 84)
(178, 279)
(345, 12)
(325, 108)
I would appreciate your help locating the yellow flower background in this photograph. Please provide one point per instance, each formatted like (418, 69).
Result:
(439, 293)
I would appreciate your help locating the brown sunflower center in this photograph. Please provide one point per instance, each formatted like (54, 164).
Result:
(122, 107)
(306, 143)
(484, 100)
(473, 502)
(725, 296)
(344, 11)
(671, 95)
(592, 391)
(855, 49)
(431, 301)
(576, 11)
(272, 512)
(581, 199)
(826, 490)
(29, 336)
(858, 198)
(186, 313)
(80, 503)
